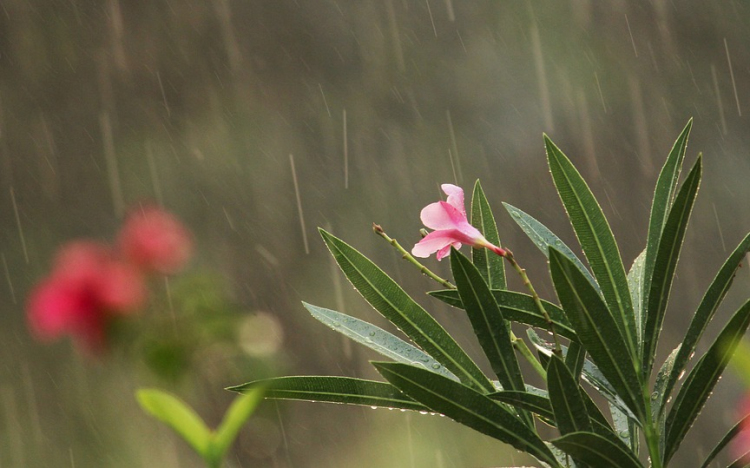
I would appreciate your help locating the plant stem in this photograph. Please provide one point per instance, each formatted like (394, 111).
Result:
(524, 350)
(652, 440)
(410, 258)
(537, 301)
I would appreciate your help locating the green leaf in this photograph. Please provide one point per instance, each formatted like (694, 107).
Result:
(597, 330)
(388, 298)
(466, 406)
(236, 416)
(565, 396)
(597, 241)
(635, 284)
(333, 390)
(702, 379)
(489, 325)
(575, 358)
(177, 415)
(625, 428)
(517, 307)
(596, 450)
(535, 403)
(668, 252)
(726, 440)
(490, 265)
(705, 312)
(666, 186)
(543, 238)
(658, 396)
(377, 339)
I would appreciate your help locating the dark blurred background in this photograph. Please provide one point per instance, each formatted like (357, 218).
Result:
(199, 104)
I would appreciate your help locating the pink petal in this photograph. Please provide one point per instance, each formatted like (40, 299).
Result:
(445, 251)
(433, 242)
(455, 197)
(120, 288)
(441, 215)
(155, 240)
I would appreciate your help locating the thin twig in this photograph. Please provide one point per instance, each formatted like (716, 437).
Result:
(410, 258)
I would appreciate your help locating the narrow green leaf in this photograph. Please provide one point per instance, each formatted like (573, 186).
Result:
(565, 396)
(596, 239)
(596, 450)
(333, 390)
(388, 298)
(726, 440)
(597, 330)
(489, 325)
(667, 255)
(635, 284)
(176, 414)
(625, 427)
(466, 406)
(517, 307)
(236, 416)
(666, 186)
(702, 379)
(658, 395)
(575, 358)
(490, 265)
(377, 339)
(543, 238)
(705, 312)
(535, 403)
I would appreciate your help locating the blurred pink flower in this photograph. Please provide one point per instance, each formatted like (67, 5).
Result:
(86, 288)
(741, 442)
(155, 241)
(451, 227)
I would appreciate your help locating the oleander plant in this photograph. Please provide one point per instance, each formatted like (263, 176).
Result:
(603, 331)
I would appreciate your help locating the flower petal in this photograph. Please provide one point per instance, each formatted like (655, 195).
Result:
(442, 215)
(433, 242)
(455, 197)
(445, 251)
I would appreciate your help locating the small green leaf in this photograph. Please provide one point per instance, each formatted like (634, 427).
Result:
(574, 358)
(702, 379)
(543, 238)
(597, 241)
(667, 255)
(705, 312)
(625, 427)
(596, 450)
(236, 416)
(490, 265)
(666, 186)
(377, 339)
(466, 406)
(597, 330)
(565, 396)
(635, 284)
(332, 390)
(658, 396)
(517, 307)
(726, 440)
(388, 298)
(177, 415)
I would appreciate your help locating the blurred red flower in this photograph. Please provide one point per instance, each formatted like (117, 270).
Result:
(741, 442)
(87, 286)
(155, 241)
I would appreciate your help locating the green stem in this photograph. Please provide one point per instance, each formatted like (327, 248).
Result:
(524, 350)
(537, 301)
(410, 258)
(652, 440)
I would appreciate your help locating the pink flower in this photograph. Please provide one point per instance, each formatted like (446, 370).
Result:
(155, 241)
(451, 227)
(741, 442)
(86, 288)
